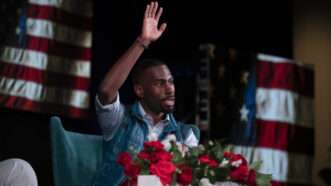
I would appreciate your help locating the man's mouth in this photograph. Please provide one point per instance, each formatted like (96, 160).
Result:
(169, 100)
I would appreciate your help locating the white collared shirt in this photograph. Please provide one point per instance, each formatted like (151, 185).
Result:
(154, 130)
(115, 112)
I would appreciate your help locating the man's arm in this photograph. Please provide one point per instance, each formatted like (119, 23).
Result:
(119, 72)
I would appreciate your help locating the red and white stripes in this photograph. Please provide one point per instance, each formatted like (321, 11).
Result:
(284, 121)
(52, 73)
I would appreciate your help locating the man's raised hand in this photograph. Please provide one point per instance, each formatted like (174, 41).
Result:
(150, 30)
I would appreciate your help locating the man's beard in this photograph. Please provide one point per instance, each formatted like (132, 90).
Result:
(168, 110)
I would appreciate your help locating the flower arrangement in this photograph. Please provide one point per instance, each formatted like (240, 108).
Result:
(205, 165)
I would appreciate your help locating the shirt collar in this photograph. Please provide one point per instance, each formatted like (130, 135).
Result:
(147, 116)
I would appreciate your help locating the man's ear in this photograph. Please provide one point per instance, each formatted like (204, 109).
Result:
(138, 90)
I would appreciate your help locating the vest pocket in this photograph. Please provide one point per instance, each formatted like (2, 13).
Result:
(136, 140)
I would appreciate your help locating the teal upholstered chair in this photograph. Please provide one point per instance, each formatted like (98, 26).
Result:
(75, 156)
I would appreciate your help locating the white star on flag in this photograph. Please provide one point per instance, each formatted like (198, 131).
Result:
(244, 113)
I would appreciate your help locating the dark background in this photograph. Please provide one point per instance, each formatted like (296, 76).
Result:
(254, 26)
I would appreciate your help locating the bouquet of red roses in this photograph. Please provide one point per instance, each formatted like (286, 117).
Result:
(206, 165)
(217, 163)
(153, 159)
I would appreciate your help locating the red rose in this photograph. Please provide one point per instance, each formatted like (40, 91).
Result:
(164, 170)
(124, 159)
(186, 175)
(144, 155)
(132, 171)
(251, 181)
(228, 155)
(161, 155)
(239, 174)
(156, 145)
(212, 163)
(239, 157)
(235, 157)
(205, 159)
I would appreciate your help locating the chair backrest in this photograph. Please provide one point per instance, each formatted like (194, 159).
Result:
(75, 156)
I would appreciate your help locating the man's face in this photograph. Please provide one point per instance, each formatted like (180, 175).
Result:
(157, 89)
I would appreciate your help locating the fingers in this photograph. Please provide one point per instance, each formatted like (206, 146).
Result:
(152, 10)
(163, 27)
(159, 13)
(148, 7)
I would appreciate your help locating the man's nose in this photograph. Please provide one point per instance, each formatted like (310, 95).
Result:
(169, 87)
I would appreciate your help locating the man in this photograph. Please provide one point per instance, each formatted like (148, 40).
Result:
(150, 118)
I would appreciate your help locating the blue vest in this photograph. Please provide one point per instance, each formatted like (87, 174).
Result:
(130, 137)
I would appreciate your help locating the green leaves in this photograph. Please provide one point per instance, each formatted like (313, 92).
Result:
(215, 150)
(263, 179)
(256, 165)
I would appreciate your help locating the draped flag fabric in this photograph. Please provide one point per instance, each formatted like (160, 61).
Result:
(277, 117)
(45, 67)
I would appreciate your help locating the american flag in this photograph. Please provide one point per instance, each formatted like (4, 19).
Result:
(45, 66)
(277, 120)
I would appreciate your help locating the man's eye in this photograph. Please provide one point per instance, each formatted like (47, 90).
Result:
(158, 83)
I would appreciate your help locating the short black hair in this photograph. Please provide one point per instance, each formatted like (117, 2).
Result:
(142, 65)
